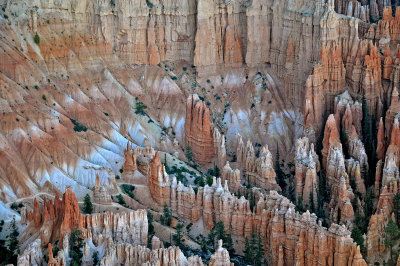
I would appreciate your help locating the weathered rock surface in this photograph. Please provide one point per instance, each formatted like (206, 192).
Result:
(100, 193)
(273, 216)
(61, 217)
(257, 170)
(199, 130)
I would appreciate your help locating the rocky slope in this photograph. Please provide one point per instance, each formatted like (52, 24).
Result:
(161, 96)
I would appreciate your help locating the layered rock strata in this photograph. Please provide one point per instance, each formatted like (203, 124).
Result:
(257, 170)
(272, 211)
(232, 177)
(137, 158)
(306, 171)
(58, 218)
(100, 193)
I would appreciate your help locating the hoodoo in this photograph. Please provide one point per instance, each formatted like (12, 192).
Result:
(200, 132)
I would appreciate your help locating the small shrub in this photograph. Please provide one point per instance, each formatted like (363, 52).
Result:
(78, 127)
(208, 81)
(117, 177)
(174, 78)
(36, 38)
(36, 87)
(121, 200)
(14, 206)
(128, 189)
(140, 107)
(184, 68)
(44, 97)
(149, 4)
(106, 114)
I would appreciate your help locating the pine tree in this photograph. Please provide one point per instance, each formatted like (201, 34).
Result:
(253, 245)
(150, 220)
(357, 236)
(368, 206)
(368, 140)
(280, 177)
(12, 243)
(189, 153)
(396, 208)
(322, 185)
(166, 218)
(248, 251)
(312, 206)
(75, 248)
(392, 232)
(218, 232)
(36, 38)
(209, 180)
(299, 206)
(252, 200)
(178, 236)
(95, 258)
(87, 205)
(216, 171)
(260, 250)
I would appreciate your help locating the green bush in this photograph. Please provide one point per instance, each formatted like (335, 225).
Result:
(128, 189)
(140, 107)
(121, 200)
(149, 4)
(87, 204)
(78, 127)
(36, 38)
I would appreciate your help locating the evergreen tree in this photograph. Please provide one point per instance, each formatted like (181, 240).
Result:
(322, 186)
(253, 244)
(75, 248)
(392, 232)
(216, 171)
(150, 221)
(252, 200)
(248, 251)
(396, 208)
(12, 243)
(357, 235)
(209, 180)
(204, 245)
(260, 250)
(36, 38)
(95, 258)
(189, 153)
(312, 206)
(87, 205)
(299, 205)
(178, 236)
(368, 206)
(218, 232)
(280, 177)
(166, 218)
(368, 140)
